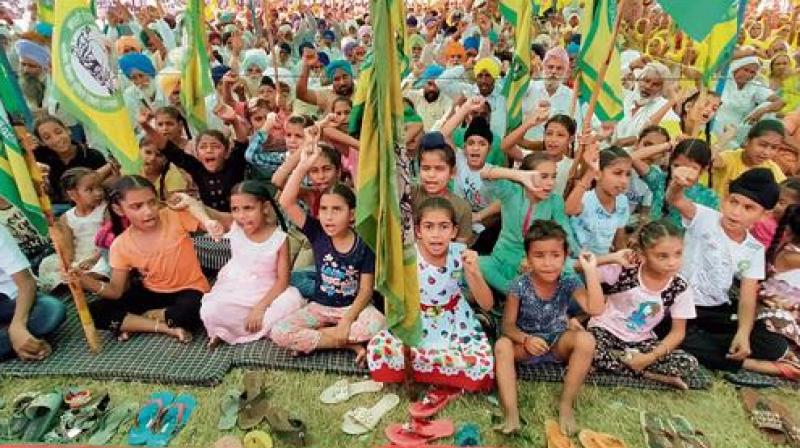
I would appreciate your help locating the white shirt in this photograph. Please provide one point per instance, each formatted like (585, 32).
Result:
(12, 261)
(449, 86)
(711, 259)
(737, 104)
(632, 124)
(560, 104)
(429, 112)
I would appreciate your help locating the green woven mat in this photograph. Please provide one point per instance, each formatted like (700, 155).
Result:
(265, 354)
(147, 358)
(551, 372)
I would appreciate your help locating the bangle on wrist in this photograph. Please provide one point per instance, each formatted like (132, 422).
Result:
(100, 290)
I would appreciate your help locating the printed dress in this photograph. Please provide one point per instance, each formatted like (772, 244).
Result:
(783, 287)
(454, 350)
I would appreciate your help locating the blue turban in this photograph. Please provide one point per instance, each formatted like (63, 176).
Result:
(328, 34)
(430, 72)
(34, 52)
(339, 64)
(44, 29)
(323, 58)
(472, 42)
(217, 72)
(573, 49)
(136, 61)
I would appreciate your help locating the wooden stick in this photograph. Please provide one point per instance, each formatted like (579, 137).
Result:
(601, 76)
(78, 296)
(274, 52)
(575, 93)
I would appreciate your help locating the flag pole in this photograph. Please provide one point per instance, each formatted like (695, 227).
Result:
(601, 77)
(78, 296)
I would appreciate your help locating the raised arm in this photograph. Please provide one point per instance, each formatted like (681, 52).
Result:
(516, 138)
(308, 154)
(477, 284)
(682, 178)
(639, 156)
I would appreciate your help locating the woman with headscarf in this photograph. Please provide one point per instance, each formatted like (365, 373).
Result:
(784, 79)
(745, 100)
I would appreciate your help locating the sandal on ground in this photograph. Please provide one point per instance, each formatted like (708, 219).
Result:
(790, 427)
(291, 429)
(229, 409)
(42, 415)
(148, 417)
(363, 420)
(111, 422)
(433, 402)
(343, 390)
(555, 438)
(174, 418)
(688, 436)
(15, 426)
(591, 439)
(655, 431)
(75, 422)
(418, 432)
(789, 370)
(765, 419)
(77, 397)
(257, 439)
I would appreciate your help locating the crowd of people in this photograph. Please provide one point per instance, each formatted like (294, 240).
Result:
(644, 248)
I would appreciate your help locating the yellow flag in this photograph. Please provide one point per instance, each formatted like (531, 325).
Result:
(85, 84)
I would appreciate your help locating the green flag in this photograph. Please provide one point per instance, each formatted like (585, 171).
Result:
(11, 94)
(196, 82)
(16, 182)
(697, 18)
(597, 27)
(383, 212)
(519, 13)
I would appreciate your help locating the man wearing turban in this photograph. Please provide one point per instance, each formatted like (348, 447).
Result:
(34, 64)
(139, 69)
(427, 98)
(487, 73)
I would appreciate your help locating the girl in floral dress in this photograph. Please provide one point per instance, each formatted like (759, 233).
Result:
(453, 350)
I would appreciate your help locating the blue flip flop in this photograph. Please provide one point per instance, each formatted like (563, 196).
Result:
(148, 417)
(175, 418)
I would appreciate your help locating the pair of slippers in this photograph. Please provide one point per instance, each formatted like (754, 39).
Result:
(360, 420)
(161, 418)
(256, 408)
(421, 430)
(674, 431)
(773, 419)
(588, 438)
(32, 416)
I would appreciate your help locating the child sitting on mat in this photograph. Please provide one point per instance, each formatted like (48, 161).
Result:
(252, 291)
(340, 314)
(535, 327)
(641, 290)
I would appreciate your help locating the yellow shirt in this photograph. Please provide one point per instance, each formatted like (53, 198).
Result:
(174, 181)
(734, 167)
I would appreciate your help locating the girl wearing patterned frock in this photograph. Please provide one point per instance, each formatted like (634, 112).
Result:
(454, 351)
(535, 327)
(639, 295)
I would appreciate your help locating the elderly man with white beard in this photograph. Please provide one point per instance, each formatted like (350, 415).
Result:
(644, 101)
(34, 61)
(140, 71)
(552, 90)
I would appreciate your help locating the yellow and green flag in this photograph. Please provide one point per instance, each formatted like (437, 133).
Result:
(16, 182)
(85, 83)
(518, 13)
(45, 11)
(196, 82)
(383, 212)
(721, 42)
(597, 27)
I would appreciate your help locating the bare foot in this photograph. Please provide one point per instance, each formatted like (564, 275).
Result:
(361, 354)
(123, 336)
(674, 381)
(179, 333)
(508, 428)
(157, 315)
(213, 342)
(566, 420)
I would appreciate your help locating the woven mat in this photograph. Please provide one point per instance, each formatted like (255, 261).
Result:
(555, 372)
(751, 379)
(147, 358)
(265, 354)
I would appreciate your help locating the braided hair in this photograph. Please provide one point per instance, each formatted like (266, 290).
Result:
(791, 221)
(260, 191)
(650, 233)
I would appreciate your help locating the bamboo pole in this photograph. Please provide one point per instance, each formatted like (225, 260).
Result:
(78, 296)
(601, 76)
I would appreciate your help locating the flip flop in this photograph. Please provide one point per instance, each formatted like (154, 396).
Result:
(173, 419)
(290, 428)
(111, 422)
(78, 421)
(690, 437)
(77, 397)
(555, 438)
(656, 433)
(743, 378)
(148, 417)
(468, 434)
(433, 402)
(591, 439)
(418, 432)
(253, 409)
(42, 413)
(363, 420)
(765, 419)
(257, 439)
(343, 390)
(18, 421)
(229, 409)
(790, 427)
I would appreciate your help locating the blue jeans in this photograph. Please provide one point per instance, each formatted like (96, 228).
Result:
(45, 317)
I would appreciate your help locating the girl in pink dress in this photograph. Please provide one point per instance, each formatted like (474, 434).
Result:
(252, 291)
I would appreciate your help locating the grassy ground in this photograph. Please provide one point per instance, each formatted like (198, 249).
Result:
(718, 411)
